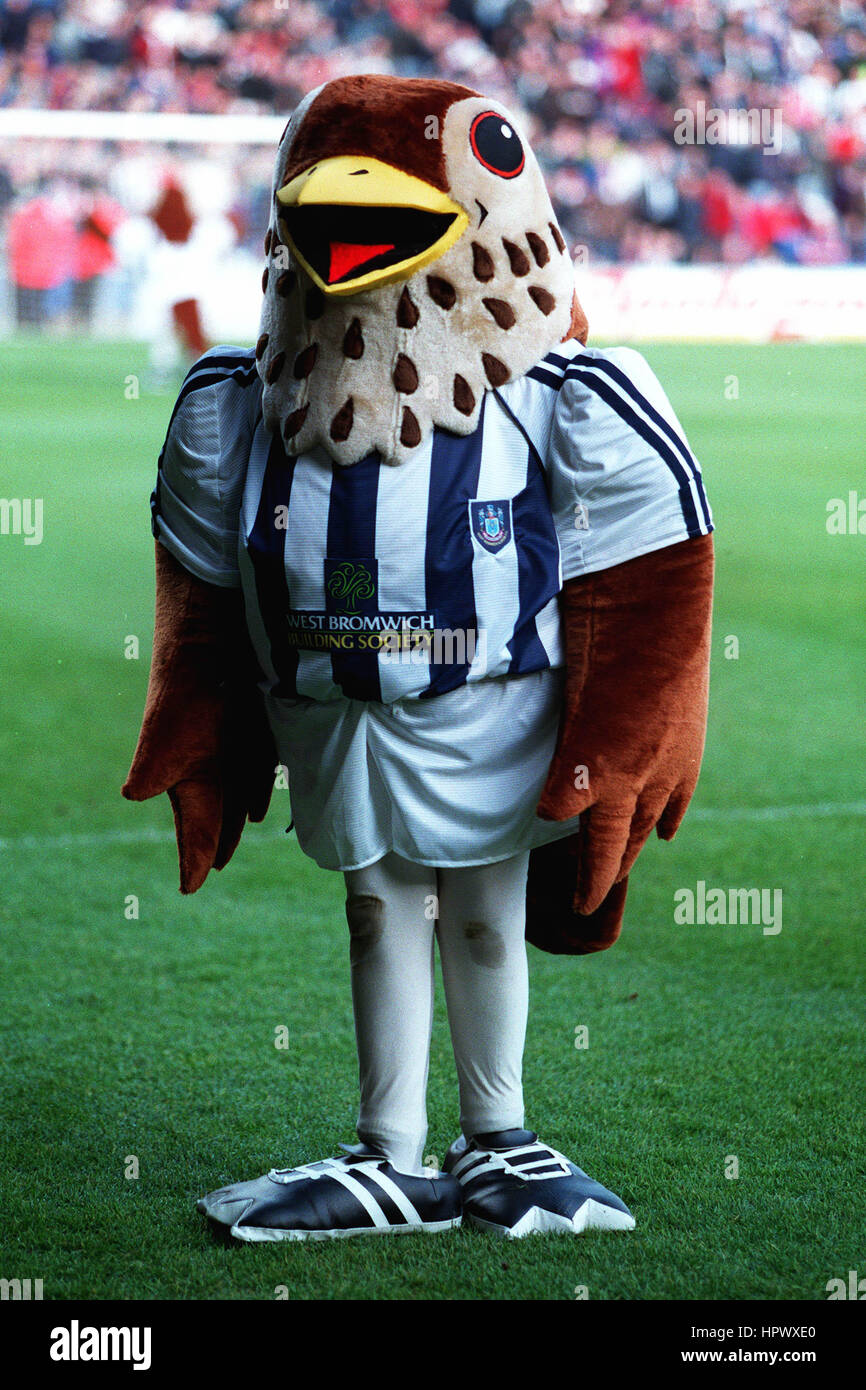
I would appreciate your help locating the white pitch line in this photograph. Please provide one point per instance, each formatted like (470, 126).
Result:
(87, 840)
(95, 839)
(761, 813)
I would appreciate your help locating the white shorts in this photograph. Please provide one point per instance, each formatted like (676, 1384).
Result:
(448, 782)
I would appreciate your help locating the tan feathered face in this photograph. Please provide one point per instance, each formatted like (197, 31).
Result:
(414, 262)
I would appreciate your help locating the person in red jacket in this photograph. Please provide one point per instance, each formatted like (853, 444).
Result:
(94, 253)
(41, 252)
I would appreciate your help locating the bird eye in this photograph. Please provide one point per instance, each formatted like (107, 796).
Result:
(496, 145)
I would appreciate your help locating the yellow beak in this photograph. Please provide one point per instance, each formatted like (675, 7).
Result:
(354, 222)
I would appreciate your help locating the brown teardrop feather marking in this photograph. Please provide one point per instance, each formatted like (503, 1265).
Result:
(405, 376)
(542, 298)
(482, 263)
(442, 292)
(407, 311)
(295, 421)
(260, 346)
(341, 425)
(501, 312)
(305, 361)
(497, 372)
(557, 237)
(268, 242)
(410, 430)
(275, 366)
(353, 340)
(285, 283)
(464, 396)
(517, 258)
(264, 279)
(538, 247)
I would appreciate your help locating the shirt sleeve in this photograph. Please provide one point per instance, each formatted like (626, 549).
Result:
(622, 478)
(195, 506)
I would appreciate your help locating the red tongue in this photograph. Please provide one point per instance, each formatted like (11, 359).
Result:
(346, 255)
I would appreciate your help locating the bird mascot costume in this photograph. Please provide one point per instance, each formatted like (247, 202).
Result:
(452, 569)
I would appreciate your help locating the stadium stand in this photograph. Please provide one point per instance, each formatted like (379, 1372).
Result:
(600, 83)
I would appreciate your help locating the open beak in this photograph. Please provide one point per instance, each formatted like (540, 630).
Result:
(354, 222)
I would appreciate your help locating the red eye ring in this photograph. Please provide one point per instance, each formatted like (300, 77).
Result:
(486, 160)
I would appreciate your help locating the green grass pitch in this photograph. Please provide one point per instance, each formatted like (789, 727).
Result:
(155, 1038)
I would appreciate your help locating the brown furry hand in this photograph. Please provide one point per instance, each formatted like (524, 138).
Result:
(204, 739)
(637, 656)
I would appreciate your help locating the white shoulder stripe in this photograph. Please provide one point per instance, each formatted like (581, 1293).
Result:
(223, 363)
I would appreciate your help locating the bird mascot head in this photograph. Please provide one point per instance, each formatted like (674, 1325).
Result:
(413, 262)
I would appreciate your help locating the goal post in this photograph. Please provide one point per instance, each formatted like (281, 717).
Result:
(223, 161)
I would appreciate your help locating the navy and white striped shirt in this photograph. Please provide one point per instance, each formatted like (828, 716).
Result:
(383, 582)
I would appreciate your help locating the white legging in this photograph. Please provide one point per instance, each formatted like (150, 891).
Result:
(394, 909)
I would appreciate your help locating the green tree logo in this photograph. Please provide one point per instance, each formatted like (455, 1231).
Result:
(349, 583)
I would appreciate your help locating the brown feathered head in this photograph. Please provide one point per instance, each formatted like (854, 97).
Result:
(414, 261)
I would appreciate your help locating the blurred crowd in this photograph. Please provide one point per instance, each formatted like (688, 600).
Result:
(600, 84)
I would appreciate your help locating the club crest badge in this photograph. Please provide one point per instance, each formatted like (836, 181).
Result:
(491, 523)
